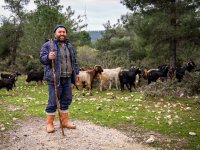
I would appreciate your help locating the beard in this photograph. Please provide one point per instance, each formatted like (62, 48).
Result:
(61, 38)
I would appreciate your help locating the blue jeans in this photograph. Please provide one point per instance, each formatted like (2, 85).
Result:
(64, 96)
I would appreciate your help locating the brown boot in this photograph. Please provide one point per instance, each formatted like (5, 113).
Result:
(49, 124)
(65, 121)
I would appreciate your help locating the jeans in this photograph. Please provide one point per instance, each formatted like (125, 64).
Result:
(64, 96)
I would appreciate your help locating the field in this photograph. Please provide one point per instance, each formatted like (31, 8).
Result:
(171, 123)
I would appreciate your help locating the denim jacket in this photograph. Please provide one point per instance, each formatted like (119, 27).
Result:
(48, 72)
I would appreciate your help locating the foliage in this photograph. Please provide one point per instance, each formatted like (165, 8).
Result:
(18, 17)
(122, 44)
(39, 28)
(26, 32)
(81, 38)
(6, 38)
(172, 88)
(167, 27)
(86, 56)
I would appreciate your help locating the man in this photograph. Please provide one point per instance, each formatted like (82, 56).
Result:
(66, 69)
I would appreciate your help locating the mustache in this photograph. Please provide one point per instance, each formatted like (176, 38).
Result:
(60, 36)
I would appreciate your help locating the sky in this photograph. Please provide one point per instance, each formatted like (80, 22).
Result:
(98, 12)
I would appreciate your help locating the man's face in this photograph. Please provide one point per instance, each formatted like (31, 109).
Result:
(60, 34)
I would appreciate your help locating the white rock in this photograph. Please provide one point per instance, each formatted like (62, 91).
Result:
(15, 119)
(151, 139)
(3, 128)
(109, 93)
(192, 133)
(188, 108)
(170, 122)
(182, 94)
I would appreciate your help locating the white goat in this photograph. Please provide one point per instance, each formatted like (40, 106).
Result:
(109, 75)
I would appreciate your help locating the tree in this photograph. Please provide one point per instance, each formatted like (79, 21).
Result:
(82, 38)
(168, 23)
(18, 17)
(118, 43)
(87, 56)
(39, 28)
(6, 37)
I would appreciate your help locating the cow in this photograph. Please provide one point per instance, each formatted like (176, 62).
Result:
(35, 76)
(86, 78)
(109, 75)
(128, 78)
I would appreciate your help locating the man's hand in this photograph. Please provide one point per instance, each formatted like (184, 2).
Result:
(51, 55)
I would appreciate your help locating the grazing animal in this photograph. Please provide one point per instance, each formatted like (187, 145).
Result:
(128, 78)
(152, 75)
(35, 76)
(12, 77)
(86, 78)
(8, 76)
(109, 75)
(137, 80)
(6, 83)
(86, 68)
(190, 65)
(180, 71)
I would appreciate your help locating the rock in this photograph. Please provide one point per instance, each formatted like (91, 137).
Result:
(192, 133)
(112, 97)
(182, 94)
(188, 108)
(151, 139)
(98, 108)
(111, 93)
(161, 100)
(14, 119)
(3, 128)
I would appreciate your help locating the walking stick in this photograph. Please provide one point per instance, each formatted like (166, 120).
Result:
(56, 89)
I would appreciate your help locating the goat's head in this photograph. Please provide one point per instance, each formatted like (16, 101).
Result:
(98, 69)
(190, 66)
(145, 73)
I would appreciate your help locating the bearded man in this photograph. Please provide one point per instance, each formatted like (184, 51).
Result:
(61, 51)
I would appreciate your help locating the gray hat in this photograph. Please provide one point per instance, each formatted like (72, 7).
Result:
(59, 26)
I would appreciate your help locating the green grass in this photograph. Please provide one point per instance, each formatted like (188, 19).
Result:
(172, 117)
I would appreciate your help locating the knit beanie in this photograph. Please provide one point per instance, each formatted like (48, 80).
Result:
(59, 26)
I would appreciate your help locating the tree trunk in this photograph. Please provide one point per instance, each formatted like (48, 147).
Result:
(13, 56)
(16, 44)
(172, 49)
(173, 41)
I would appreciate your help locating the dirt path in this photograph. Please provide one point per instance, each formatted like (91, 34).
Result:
(31, 135)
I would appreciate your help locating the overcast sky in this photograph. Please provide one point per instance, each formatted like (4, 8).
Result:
(98, 11)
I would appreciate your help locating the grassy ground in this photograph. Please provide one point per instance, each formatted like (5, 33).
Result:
(172, 120)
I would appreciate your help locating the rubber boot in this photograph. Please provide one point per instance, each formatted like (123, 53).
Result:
(49, 123)
(65, 121)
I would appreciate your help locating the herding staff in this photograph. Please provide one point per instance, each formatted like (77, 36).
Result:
(56, 89)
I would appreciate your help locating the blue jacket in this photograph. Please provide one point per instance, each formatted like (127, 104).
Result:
(48, 72)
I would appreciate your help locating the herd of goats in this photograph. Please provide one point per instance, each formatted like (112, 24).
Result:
(88, 75)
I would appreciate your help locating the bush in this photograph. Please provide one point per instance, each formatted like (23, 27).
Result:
(189, 86)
